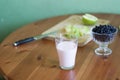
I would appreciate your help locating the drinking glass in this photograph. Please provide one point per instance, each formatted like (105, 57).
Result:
(66, 49)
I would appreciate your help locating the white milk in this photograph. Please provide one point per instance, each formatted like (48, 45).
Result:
(67, 53)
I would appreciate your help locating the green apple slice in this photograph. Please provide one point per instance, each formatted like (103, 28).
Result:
(89, 19)
(73, 31)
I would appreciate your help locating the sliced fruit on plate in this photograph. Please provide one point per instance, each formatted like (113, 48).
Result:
(75, 31)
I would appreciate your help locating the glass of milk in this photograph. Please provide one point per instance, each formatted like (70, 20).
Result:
(66, 49)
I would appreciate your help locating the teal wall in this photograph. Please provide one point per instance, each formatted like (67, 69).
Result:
(16, 13)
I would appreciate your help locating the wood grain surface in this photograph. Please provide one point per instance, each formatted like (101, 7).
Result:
(38, 60)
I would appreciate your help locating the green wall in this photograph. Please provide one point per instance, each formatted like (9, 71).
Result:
(16, 13)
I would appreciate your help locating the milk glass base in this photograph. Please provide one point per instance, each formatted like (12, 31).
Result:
(66, 68)
(103, 51)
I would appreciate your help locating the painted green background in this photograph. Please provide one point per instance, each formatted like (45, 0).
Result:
(16, 13)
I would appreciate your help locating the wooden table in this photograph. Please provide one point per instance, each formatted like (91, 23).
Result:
(38, 60)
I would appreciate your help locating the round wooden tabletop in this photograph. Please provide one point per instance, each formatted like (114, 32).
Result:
(38, 60)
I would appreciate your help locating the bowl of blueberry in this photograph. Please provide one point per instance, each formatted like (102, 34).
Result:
(103, 35)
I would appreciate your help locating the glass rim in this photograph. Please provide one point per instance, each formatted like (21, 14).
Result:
(62, 35)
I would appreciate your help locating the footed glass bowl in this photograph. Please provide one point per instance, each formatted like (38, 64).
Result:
(103, 40)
